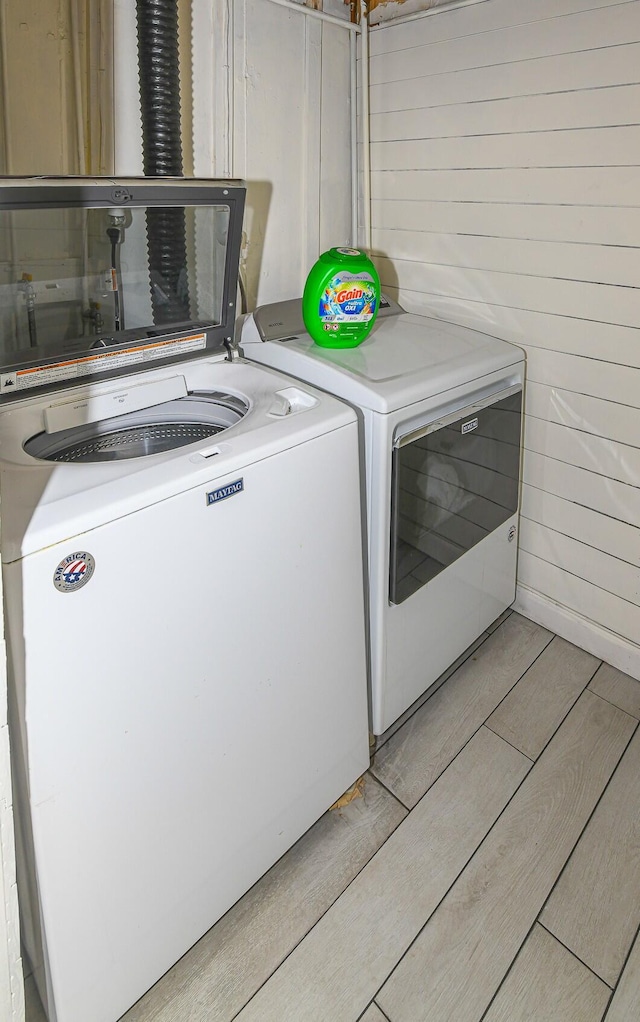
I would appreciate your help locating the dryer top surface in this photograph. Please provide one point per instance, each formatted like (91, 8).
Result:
(405, 359)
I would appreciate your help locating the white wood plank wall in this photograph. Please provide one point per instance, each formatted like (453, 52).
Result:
(506, 195)
(282, 122)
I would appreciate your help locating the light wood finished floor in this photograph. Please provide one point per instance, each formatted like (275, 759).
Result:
(491, 870)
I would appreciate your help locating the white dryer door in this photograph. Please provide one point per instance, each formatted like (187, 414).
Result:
(454, 481)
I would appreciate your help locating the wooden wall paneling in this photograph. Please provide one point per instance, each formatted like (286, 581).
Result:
(335, 128)
(590, 489)
(505, 192)
(269, 113)
(309, 183)
(605, 303)
(564, 34)
(40, 102)
(553, 111)
(607, 380)
(588, 600)
(597, 454)
(533, 329)
(589, 186)
(617, 265)
(614, 575)
(603, 147)
(589, 414)
(289, 122)
(586, 69)
(590, 527)
(488, 17)
(593, 225)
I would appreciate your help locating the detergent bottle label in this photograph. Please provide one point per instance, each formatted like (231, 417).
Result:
(348, 298)
(341, 298)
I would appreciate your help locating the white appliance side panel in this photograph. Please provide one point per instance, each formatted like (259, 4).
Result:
(430, 630)
(189, 712)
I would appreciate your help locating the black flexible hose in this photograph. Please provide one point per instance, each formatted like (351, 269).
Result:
(159, 67)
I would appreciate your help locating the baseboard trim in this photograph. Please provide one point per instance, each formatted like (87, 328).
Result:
(592, 637)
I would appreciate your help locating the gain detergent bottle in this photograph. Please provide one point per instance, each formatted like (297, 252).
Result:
(341, 298)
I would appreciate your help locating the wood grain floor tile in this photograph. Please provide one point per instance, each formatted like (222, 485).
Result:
(404, 717)
(595, 907)
(618, 688)
(456, 965)
(499, 620)
(373, 1014)
(414, 757)
(547, 984)
(528, 716)
(335, 972)
(225, 968)
(625, 1006)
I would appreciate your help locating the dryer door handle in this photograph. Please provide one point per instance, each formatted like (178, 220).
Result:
(466, 411)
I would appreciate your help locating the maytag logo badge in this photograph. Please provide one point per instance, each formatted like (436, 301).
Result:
(230, 490)
(469, 425)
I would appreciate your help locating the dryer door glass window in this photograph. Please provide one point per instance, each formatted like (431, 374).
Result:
(453, 482)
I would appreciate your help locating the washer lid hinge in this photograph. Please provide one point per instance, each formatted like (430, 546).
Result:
(233, 354)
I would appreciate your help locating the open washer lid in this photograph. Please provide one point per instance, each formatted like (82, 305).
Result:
(112, 276)
(404, 359)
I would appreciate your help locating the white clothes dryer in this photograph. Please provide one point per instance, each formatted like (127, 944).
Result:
(440, 413)
(183, 581)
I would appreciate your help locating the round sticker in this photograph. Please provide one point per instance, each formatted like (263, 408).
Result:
(349, 251)
(74, 572)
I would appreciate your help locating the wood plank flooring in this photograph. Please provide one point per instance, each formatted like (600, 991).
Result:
(490, 873)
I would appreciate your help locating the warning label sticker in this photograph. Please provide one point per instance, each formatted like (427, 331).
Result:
(102, 361)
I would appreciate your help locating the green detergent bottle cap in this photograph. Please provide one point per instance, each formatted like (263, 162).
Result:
(341, 298)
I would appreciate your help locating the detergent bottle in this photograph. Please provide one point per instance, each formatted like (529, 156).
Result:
(341, 298)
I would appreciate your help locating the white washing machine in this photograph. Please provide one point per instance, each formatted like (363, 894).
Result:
(185, 613)
(440, 408)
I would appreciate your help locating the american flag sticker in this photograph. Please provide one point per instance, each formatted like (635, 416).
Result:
(74, 572)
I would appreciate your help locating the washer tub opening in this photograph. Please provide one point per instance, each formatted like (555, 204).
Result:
(166, 427)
